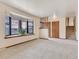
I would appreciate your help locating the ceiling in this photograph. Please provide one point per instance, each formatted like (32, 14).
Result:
(44, 8)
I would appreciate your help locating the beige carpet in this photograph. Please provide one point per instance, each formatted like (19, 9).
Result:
(42, 49)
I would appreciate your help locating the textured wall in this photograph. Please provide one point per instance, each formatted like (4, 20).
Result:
(5, 10)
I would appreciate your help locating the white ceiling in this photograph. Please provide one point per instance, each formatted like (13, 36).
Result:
(45, 7)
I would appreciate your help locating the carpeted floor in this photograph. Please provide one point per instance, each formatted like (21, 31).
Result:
(42, 49)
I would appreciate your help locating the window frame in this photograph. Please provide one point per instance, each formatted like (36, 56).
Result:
(19, 27)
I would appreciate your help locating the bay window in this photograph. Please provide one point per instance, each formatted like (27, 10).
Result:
(18, 26)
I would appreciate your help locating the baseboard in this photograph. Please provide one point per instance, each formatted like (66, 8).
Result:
(44, 38)
(21, 43)
(62, 38)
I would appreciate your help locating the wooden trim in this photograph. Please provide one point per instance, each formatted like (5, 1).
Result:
(62, 38)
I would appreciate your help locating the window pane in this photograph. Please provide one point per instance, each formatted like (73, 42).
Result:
(30, 23)
(7, 26)
(30, 30)
(24, 26)
(30, 27)
(14, 26)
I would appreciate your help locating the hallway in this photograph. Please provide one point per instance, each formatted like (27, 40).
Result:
(42, 49)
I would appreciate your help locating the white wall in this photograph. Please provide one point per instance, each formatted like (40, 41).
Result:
(77, 37)
(62, 28)
(5, 10)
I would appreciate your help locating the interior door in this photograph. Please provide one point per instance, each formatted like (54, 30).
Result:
(55, 29)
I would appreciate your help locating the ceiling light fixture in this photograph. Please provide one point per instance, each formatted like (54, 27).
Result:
(52, 17)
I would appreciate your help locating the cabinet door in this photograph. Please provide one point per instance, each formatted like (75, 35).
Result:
(55, 29)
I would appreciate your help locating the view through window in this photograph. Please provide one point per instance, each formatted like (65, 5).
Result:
(18, 26)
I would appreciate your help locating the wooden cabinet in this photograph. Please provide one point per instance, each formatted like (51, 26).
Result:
(70, 27)
(54, 29)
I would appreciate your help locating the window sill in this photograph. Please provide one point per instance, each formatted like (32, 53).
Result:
(14, 36)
